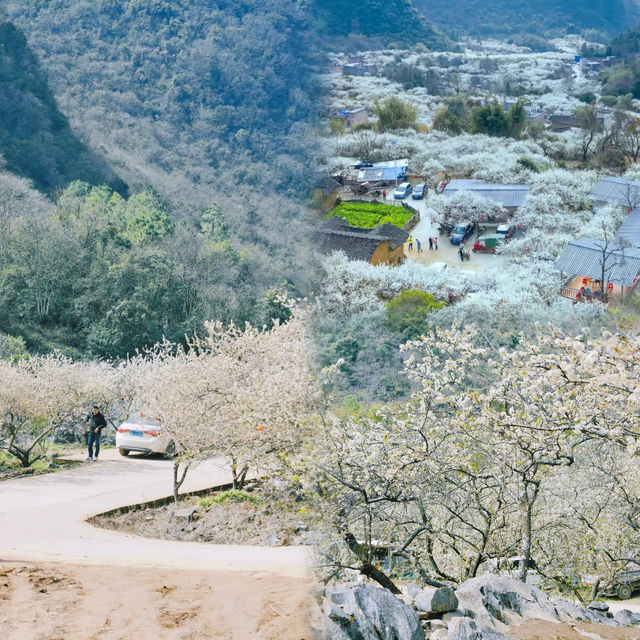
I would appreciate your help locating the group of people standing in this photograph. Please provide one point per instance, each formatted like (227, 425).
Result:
(433, 244)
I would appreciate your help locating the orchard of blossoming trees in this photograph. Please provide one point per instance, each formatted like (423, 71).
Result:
(528, 453)
(243, 393)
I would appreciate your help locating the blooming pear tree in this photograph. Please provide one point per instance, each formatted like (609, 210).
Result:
(488, 460)
(42, 393)
(241, 393)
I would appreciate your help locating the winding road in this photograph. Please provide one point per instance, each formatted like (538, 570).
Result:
(44, 518)
(62, 578)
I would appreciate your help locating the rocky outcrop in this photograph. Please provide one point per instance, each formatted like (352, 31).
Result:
(483, 608)
(626, 618)
(363, 612)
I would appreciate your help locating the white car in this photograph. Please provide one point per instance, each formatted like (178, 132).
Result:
(142, 433)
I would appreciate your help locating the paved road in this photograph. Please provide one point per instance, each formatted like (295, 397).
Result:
(447, 253)
(43, 519)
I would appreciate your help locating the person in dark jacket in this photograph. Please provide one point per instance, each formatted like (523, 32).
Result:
(96, 423)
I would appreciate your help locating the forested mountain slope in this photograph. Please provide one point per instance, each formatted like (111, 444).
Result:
(390, 21)
(529, 16)
(36, 140)
(194, 103)
(180, 94)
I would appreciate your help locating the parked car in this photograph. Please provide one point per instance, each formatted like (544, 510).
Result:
(623, 585)
(402, 191)
(461, 232)
(142, 433)
(418, 191)
(506, 230)
(440, 187)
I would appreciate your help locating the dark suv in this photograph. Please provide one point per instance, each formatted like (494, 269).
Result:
(461, 232)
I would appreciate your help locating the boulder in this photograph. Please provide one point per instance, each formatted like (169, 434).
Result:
(626, 618)
(603, 607)
(569, 612)
(364, 612)
(411, 589)
(436, 600)
(500, 601)
(465, 628)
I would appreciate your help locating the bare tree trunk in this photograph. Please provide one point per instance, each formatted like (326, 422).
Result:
(525, 543)
(381, 578)
(527, 500)
(238, 477)
(179, 476)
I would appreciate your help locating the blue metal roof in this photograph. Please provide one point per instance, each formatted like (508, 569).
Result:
(586, 257)
(628, 235)
(617, 191)
(508, 195)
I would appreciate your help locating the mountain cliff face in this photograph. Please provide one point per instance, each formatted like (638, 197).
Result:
(530, 16)
(36, 140)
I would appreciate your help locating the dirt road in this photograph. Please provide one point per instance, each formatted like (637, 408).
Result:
(63, 578)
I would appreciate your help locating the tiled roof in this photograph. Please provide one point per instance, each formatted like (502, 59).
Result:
(584, 257)
(618, 191)
(336, 234)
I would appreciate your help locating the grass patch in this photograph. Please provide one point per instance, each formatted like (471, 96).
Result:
(367, 215)
(226, 497)
(10, 466)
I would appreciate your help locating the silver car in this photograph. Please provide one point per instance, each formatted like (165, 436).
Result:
(142, 433)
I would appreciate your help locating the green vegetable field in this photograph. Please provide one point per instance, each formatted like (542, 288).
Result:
(368, 215)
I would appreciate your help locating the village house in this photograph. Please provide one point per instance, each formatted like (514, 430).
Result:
(510, 196)
(615, 190)
(597, 270)
(387, 171)
(359, 69)
(532, 114)
(628, 235)
(353, 117)
(382, 245)
(593, 66)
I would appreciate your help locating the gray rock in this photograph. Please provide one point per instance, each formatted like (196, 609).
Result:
(499, 601)
(185, 515)
(365, 612)
(598, 606)
(626, 618)
(468, 629)
(436, 600)
(439, 634)
(412, 589)
(437, 624)
(569, 612)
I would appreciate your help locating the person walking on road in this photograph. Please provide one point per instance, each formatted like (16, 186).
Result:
(435, 243)
(461, 253)
(96, 423)
(419, 245)
(410, 243)
(430, 244)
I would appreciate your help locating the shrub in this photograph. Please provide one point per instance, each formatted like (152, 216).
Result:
(225, 497)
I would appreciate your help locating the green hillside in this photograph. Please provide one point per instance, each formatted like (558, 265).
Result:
(505, 17)
(389, 21)
(36, 140)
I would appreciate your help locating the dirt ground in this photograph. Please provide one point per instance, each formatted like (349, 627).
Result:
(541, 630)
(68, 602)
